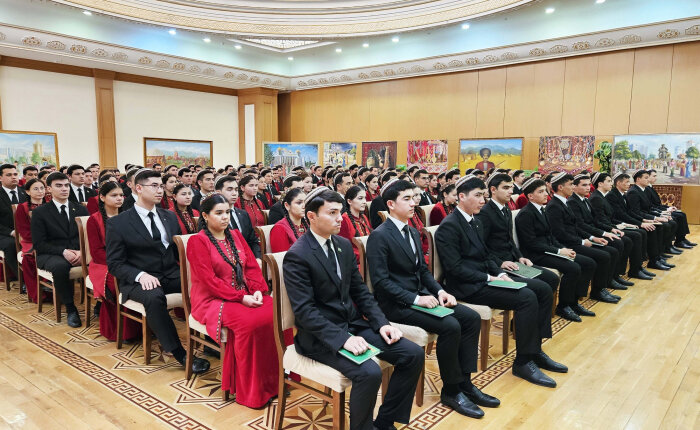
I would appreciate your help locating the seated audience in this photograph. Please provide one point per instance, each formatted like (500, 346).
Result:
(35, 198)
(228, 187)
(11, 195)
(355, 223)
(277, 210)
(183, 209)
(248, 200)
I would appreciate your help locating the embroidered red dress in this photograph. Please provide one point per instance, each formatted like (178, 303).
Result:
(282, 235)
(352, 226)
(187, 222)
(439, 212)
(102, 281)
(369, 195)
(167, 202)
(23, 228)
(250, 361)
(254, 209)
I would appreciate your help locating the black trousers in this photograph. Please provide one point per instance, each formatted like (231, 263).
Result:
(60, 269)
(457, 343)
(576, 275)
(637, 250)
(407, 358)
(7, 245)
(682, 220)
(532, 306)
(603, 263)
(669, 233)
(624, 249)
(157, 315)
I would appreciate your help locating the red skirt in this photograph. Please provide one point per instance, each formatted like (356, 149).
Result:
(108, 318)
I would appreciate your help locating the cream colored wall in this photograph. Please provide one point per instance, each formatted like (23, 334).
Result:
(149, 111)
(33, 100)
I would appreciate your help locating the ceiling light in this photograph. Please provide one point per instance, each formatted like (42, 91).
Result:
(290, 58)
(206, 40)
(87, 12)
(365, 45)
(549, 10)
(600, 1)
(338, 50)
(237, 46)
(172, 32)
(395, 39)
(465, 26)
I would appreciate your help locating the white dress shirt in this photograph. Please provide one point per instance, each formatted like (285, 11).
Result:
(9, 193)
(143, 214)
(323, 242)
(75, 190)
(58, 207)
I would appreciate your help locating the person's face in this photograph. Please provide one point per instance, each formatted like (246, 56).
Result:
(88, 178)
(95, 170)
(485, 155)
(451, 197)
(539, 196)
(158, 168)
(268, 178)
(296, 209)
(566, 189)
(251, 188)
(262, 186)
(172, 170)
(230, 192)
(60, 189)
(184, 196)
(473, 201)
(502, 193)
(77, 177)
(10, 178)
(442, 181)
(549, 187)
(623, 185)
(606, 185)
(537, 175)
(207, 183)
(359, 203)
(275, 174)
(170, 184)
(345, 185)
(218, 218)
(328, 219)
(307, 184)
(583, 187)
(416, 195)
(652, 178)
(403, 208)
(186, 178)
(317, 171)
(150, 191)
(114, 198)
(37, 191)
(519, 179)
(454, 179)
(197, 169)
(373, 184)
(31, 174)
(433, 182)
(421, 180)
(643, 180)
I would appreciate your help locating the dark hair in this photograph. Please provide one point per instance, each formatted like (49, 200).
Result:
(369, 178)
(104, 172)
(167, 176)
(220, 181)
(536, 172)
(477, 172)
(601, 177)
(392, 192)
(387, 176)
(352, 166)
(290, 181)
(31, 182)
(44, 168)
(320, 199)
(288, 198)
(447, 190)
(6, 166)
(130, 174)
(487, 150)
(29, 169)
(202, 173)
(451, 173)
(176, 190)
(420, 172)
(55, 176)
(548, 178)
(105, 178)
(578, 179)
(353, 192)
(245, 180)
(537, 183)
(621, 177)
(498, 179)
(105, 189)
(146, 174)
(338, 179)
(441, 175)
(73, 167)
(517, 172)
(43, 173)
(183, 171)
(471, 184)
(264, 172)
(564, 179)
(156, 164)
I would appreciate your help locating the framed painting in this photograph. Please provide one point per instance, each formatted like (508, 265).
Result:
(339, 154)
(379, 154)
(180, 152)
(673, 156)
(485, 154)
(430, 155)
(569, 154)
(290, 154)
(24, 148)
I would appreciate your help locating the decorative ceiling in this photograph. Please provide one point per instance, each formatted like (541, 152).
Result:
(310, 18)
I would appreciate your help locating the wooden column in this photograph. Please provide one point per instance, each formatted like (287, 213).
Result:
(0, 104)
(106, 133)
(265, 102)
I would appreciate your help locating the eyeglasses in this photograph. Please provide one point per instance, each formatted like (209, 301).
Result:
(155, 187)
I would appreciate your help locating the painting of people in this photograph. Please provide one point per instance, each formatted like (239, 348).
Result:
(569, 154)
(485, 154)
(379, 154)
(339, 154)
(673, 156)
(430, 155)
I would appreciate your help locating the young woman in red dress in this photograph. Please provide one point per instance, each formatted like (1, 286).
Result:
(372, 184)
(445, 206)
(228, 290)
(355, 223)
(92, 203)
(433, 186)
(111, 199)
(290, 228)
(183, 209)
(169, 183)
(35, 192)
(417, 223)
(264, 196)
(248, 201)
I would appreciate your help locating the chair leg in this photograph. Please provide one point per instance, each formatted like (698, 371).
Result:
(39, 296)
(506, 331)
(190, 355)
(327, 391)
(56, 304)
(555, 299)
(120, 325)
(281, 401)
(420, 387)
(4, 274)
(87, 310)
(429, 348)
(224, 394)
(485, 333)
(339, 411)
(146, 341)
(82, 292)
(20, 274)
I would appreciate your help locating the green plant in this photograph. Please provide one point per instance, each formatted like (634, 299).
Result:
(604, 155)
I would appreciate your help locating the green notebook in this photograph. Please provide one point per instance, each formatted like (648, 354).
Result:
(525, 271)
(507, 284)
(359, 359)
(438, 311)
(559, 255)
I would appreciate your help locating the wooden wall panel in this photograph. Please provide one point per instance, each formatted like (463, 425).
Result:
(578, 107)
(520, 82)
(651, 89)
(683, 112)
(284, 105)
(546, 102)
(491, 102)
(613, 92)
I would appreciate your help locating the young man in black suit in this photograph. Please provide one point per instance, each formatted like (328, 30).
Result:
(227, 186)
(142, 256)
(603, 215)
(11, 194)
(341, 183)
(468, 268)
(518, 180)
(678, 216)
(497, 227)
(205, 181)
(329, 301)
(655, 240)
(79, 193)
(55, 239)
(277, 210)
(401, 278)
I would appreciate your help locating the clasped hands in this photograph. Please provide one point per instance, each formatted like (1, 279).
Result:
(358, 345)
(72, 256)
(443, 299)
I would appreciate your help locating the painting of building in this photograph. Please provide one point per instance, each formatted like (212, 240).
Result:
(178, 152)
(290, 154)
(28, 148)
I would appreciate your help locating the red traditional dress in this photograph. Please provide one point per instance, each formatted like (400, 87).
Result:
(417, 223)
(371, 195)
(93, 204)
(254, 209)
(167, 202)
(283, 235)
(250, 361)
(439, 212)
(103, 283)
(353, 226)
(187, 222)
(23, 228)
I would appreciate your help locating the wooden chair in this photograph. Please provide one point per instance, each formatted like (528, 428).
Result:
(85, 259)
(263, 233)
(266, 214)
(425, 214)
(415, 334)
(18, 246)
(484, 312)
(195, 329)
(289, 360)
(383, 215)
(2, 256)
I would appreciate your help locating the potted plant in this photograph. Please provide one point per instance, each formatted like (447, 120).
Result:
(604, 155)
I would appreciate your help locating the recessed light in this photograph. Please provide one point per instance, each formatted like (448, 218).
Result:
(290, 58)
(600, 1)
(87, 12)
(338, 50)
(465, 26)
(172, 32)
(206, 40)
(365, 45)
(395, 39)
(237, 46)
(549, 10)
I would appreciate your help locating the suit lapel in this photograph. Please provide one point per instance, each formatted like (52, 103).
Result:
(59, 218)
(323, 259)
(138, 225)
(471, 233)
(166, 224)
(5, 198)
(540, 216)
(399, 238)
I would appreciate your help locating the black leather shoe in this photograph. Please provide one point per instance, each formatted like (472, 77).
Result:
(682, 245)
(96, 309)
(665, 256)
(482, 399)
(531, 373)
(624, 281)
(199, 365)
(604, 296)
(640, 275)
(614, 296)
(689, 243)
(648, 273)
(461, 404)
(616, 285)
(657, 266)
(666, 263)
(673, 250)
(73, 319)
(543, 361)
(580, 310)
(567, 313)
(23, 289)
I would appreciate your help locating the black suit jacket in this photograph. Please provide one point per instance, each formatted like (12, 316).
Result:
(276, 213)
(584, 216)
(465, 260)
(376, 206)
(639, 204)
(602, 211)
(326, 308)
(132, 250)
(129, 202)
(49, 234)
(7, 220)
(620, 208)
(397, 273)
(498, 233)
(426, 198)
(517, 190)
(534, 234)
(248, 232)
(196, 198)
(562, 222)
(654, 198)
(89, 192)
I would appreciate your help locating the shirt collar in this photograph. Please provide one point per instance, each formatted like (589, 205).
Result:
(640, 187)
(580, 198)
(58, 205)
(321, 240)
(468, 217)
(75, 188)
(399, 224)
(498, 205)
(561, 198)
(143, 212)
(604, 194)
(8, 190)
(537, 206)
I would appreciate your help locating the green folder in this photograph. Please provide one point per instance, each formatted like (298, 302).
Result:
(507, 284)
(559, 255)
(359, 359)
(437, 311)
(525, 271)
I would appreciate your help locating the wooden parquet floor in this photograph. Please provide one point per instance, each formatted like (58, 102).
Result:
(636, 365)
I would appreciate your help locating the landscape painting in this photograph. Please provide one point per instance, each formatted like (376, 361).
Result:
(673, 156)
(290, 154)
(25, 148)
(178, 152)
(339, 154)
(485, 154)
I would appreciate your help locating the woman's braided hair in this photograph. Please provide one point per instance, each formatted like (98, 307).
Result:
(105, 189)
(176, 190)
(289, 198)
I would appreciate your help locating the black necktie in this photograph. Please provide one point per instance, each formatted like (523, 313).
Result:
(64, 216)
(14, 197)
(80, 195)
(588, 206)
(407, 237)
(234, 224)
(542, 210)
(154, 229)
(505, 211)
(331, 257)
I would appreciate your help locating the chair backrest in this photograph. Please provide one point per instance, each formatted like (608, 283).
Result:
(185, 279)
(433, 258)
(514, 197)
(425, 216)
(196, 223)
(266, 214)
(369, 204)
(263, 233)
(383, 215)
(282, 314)
(85, 256)
(361, 244)
(515, 234)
